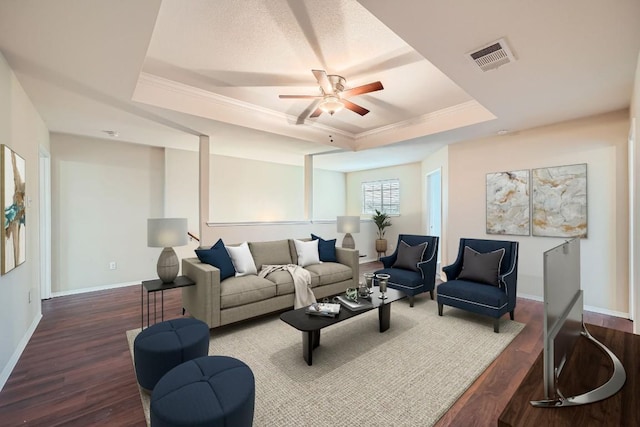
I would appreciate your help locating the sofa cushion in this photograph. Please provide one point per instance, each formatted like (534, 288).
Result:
(218, 257)
(307, 252)
(271, 253)
(284, 281)
(243, 290)
(482, 268)
(326, 249)
(242, 259)
(330, 272)
(409, 256)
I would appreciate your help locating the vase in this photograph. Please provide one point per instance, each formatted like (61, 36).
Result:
(381, 245)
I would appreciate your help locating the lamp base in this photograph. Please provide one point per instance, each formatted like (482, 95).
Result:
(168, 265)
(348, 241)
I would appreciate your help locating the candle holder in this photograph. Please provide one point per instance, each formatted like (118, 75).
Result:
(368, 279)
(382, 284)
(363, 292)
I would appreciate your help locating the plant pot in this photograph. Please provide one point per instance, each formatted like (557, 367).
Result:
(381, 245)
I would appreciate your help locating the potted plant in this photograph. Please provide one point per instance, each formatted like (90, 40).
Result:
(382, 221)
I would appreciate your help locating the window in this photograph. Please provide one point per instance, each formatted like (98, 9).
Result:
(381, 195)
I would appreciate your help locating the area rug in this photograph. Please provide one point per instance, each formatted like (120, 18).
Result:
(409, 375)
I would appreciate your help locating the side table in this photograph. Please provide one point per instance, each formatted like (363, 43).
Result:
(156, 285)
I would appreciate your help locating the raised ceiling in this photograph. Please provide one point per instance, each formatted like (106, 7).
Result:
(163, 72)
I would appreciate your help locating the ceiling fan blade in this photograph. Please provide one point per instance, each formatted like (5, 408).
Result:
(315, 113)
(371, 87)
(298, 96)
(354, 107)
(323, 81)
(302, 117)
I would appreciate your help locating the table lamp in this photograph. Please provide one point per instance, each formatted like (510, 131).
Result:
(348, 224)
(166, 233)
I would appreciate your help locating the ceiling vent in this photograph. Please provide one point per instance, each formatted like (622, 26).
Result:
(492, 55)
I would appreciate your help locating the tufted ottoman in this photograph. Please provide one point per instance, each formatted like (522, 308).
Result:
(163, 346)
(212, 391)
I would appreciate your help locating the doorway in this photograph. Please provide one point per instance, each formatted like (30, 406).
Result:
(45, 222)
(434, 207)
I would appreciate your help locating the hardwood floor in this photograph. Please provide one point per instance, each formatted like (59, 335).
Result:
(77, 371)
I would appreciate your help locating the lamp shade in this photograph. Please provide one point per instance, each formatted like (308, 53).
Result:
(166, 232)
(348, 224)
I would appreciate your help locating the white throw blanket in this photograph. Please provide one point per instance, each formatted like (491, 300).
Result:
(301, 282)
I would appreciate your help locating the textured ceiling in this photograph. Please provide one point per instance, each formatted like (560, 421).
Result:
(252, 51)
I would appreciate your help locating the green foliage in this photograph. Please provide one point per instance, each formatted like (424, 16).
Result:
(382, 221)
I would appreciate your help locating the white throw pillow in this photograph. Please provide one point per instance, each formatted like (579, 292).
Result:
(307, 252)
(242, 259)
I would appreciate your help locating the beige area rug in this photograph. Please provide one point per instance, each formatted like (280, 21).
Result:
(409, 375)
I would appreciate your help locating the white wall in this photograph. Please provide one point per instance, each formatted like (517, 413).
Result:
(251, 191)
(599, 141)
(409, 221)
(22, 129)
(329, 194)
(102, 194)
(181, 193)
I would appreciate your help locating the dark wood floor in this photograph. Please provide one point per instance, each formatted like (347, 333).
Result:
(77, 371)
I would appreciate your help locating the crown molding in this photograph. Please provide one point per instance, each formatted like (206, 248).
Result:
(456, 116)
(157, 83)
(159, 91)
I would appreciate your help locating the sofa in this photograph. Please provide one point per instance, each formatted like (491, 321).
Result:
(221, 302)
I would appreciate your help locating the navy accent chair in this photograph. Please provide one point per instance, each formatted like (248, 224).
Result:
(413, 282)
(480, 298)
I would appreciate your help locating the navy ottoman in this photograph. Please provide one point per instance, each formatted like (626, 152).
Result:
(212, 391)
(163, 346)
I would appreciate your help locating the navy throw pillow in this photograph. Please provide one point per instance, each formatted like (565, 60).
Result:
(326, 249)
(218, 256)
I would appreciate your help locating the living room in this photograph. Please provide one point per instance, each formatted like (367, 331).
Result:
(104, 189)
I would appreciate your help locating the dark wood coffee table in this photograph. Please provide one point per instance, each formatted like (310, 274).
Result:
(310, 325)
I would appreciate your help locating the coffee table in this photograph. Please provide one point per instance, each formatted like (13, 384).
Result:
(311, 325)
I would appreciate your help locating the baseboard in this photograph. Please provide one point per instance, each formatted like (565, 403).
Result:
(613, 313)
(366, 260)
(531, 297)
(13, 361)
(590, 308)
(93, 289)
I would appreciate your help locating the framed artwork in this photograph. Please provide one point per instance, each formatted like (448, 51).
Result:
(12, 192)
(508, 203)
(560, 201)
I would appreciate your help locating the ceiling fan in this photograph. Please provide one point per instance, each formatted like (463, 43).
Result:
(333, 97)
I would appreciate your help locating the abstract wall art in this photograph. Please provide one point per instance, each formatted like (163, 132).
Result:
(560, 201)
(12, 193)
(508, 203)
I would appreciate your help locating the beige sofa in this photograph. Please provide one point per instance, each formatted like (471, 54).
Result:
(237, 298)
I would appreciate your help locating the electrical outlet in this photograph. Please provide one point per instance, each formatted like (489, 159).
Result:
(113, 265)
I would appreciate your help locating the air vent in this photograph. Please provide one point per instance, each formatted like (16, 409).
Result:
(492, 55)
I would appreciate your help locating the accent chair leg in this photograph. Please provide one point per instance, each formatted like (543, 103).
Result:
(496, 325)
(511, 314)
(431, 292)
(439, 309)
(411, 299)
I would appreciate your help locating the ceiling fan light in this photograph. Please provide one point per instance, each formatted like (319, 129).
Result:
(331, 104)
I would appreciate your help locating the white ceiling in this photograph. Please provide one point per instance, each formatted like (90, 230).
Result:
(163, 72)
